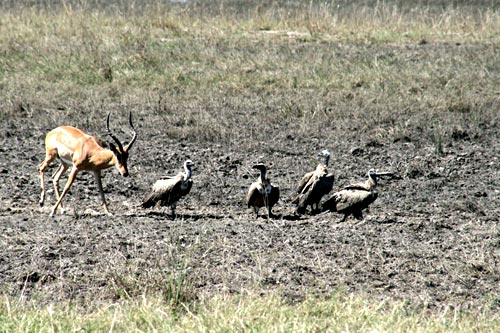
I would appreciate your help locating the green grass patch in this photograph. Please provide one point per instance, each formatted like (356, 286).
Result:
(243, 313)
(260, 48)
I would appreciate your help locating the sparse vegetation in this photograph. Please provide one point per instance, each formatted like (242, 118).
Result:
(379, 83)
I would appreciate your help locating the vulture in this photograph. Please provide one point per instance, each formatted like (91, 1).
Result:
(314, 185)
(355, 197)
(168, 191)
(262, 193)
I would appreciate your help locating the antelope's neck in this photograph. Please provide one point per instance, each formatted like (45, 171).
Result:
(103, 159)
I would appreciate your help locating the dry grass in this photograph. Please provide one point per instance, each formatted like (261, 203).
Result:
(308, 65)
(243, 313)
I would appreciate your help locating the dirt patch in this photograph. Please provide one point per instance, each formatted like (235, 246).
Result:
(432, 237)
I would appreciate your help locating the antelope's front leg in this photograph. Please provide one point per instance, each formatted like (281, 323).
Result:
(97, 175)
(55, 180)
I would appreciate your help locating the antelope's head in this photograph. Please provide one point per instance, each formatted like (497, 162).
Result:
(120, 152)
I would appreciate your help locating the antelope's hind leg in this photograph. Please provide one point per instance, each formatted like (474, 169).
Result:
(50, 155)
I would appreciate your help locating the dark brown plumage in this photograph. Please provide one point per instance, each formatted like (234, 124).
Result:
(167, 192)
(262, 193)
(313, 186)
(354, 198)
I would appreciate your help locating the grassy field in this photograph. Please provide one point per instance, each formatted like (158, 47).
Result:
(285, 56)
(393, 68)
(312, 65)
(244, 313)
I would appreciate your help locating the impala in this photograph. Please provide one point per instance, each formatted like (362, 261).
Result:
(83, 153)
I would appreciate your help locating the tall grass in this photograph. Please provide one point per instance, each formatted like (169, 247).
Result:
(270, 313)
(312, 65)
(184, 49)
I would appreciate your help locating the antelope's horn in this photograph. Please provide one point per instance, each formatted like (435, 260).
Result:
(115, 139)
(134, 137)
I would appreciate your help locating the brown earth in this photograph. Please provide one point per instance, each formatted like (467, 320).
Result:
(432, 237)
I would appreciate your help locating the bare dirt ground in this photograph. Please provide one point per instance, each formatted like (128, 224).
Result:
(432, 237)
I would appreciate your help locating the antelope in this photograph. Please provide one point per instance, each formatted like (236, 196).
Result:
(314, 185)
(355, 197)
(262, 193)
(83, 153)
(168, 191)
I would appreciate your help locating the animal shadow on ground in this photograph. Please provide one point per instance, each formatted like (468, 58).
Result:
(182, 216)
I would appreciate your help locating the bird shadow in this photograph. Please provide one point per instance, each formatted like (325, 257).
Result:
(183, 216)
(196, 217)
(286, 217)
(290, 217)
(389, 221)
